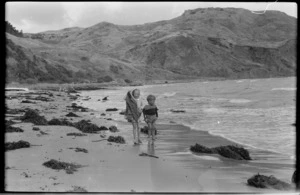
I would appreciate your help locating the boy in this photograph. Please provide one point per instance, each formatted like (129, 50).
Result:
(150, 116)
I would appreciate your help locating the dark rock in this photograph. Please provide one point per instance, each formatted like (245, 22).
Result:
(80, 150)
(113, 129)
(92, 114)
(35, 129)
(9, 122)
(57, 165)
(105, 98)
(122, 113)
(104, 128)
(103, 114)
(261, 181)
(116, 139)
(233, 152)
(71, 114)
(32, 116)
(16, 145)
(10, 129)
(111, 109)
(109, 119)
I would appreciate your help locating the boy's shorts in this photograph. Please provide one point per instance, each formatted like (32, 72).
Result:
(150, 118)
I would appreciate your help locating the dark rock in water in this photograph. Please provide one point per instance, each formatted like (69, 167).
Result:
(35, 129)
(76, 134)
(105, 98)
(113, 129)
(111, 109)
(71, 114)
(117, 139)
(262, 181)
(109, 119)
(57, 165)
(122, 113)
(233, 152)
(60, 122)
(177, 111)
(32, 116)
(10, 129)
(16, 145)
(103, 114)
(145, 130)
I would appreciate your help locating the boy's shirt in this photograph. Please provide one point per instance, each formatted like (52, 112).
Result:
(150, 110)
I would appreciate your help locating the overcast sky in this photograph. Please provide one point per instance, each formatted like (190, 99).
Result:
(33, 17)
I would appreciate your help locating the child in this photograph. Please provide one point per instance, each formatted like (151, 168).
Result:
(133, 112)
(150, 116)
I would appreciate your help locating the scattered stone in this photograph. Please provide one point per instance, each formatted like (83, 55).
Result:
(9, 122)
(16, 145)
(25, 174)
(122, 113)
(76, 134)
(103, 128)
(233, 152)
(177, 111)
(109, 119)
(33, 117)
(105, 98)
(262, 181)
(92, 114)
(111, 109)
(15, 111)
(113, 129)
(71, 114)
(70, 168)
(103, 136)
(103, 114)
(116, 139)
(11, 129)
(35, 128)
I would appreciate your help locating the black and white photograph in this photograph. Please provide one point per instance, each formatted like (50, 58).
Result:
(150, 97)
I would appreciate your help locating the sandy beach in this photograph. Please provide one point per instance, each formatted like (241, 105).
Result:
(115, 167)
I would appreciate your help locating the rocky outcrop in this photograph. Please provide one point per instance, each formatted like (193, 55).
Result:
(262, 181)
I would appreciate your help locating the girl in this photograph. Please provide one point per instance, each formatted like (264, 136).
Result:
(133, 112)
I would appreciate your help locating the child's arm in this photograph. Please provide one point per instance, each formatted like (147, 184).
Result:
(156, 112)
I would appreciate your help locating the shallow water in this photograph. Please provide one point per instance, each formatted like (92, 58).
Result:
(256, 113)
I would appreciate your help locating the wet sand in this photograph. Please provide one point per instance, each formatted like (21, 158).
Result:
(112, 167)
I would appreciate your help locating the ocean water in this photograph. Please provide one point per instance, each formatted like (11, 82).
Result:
(257, 113)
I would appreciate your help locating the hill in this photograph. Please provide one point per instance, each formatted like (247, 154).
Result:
(210, 42)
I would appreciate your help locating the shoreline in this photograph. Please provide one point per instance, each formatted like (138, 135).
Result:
(105, 162)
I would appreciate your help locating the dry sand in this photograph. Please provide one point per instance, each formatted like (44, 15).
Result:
(112, 167)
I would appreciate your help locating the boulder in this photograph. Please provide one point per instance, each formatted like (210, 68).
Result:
(262, 181)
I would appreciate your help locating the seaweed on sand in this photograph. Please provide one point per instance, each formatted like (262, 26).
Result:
(87, 127)
(16, 145)
(233, 152)
(70, 168)
(11, 129)
(77, 189)
(262, 181)
(60, 122)
(71, 114)
(117, 139)
(32, 116)
(113, 129)
(76, 134)
(80, 150)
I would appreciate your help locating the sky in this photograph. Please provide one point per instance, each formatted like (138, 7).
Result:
(34, 17)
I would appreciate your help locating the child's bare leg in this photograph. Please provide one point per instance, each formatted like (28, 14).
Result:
(149, 129)
(153, 130)
(138, 133)
(134, 132)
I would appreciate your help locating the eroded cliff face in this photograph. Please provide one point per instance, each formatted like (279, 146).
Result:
(211, 42)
